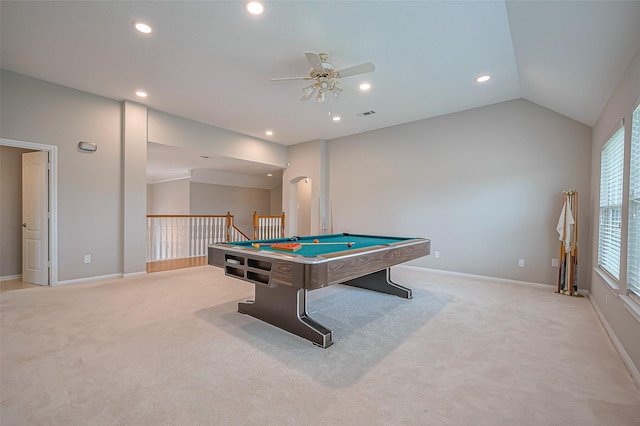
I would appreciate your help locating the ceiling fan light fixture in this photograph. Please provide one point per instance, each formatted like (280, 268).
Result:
(308, 91)
(327, 77)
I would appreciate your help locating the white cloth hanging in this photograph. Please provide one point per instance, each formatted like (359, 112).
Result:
(565, 226)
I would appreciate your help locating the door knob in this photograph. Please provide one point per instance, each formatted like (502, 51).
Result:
(24, 225)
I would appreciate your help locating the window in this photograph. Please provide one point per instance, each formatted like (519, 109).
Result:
(633, 254)
(610, 231)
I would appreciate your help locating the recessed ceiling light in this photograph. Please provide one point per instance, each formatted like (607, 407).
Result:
(141, 94)
(254, 7)
(483, 78)
(269, 174)
(269, 133)
(142, 27)
(336, 118)
(365, 86)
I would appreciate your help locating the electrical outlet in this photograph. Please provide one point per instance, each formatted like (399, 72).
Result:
(521, 263)
(554, 263)
(437, 254)
(87, 258)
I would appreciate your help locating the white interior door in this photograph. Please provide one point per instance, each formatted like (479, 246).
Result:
(35, 230)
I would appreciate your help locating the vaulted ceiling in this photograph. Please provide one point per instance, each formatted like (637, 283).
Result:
(213, 62)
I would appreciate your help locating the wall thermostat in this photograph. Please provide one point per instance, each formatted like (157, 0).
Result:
(87, 146)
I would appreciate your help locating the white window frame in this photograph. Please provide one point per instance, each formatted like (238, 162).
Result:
(633, 227)
(610, 206)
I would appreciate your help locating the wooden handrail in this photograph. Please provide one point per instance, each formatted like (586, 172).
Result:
(172, 236)
(278, 221)
(239, 232)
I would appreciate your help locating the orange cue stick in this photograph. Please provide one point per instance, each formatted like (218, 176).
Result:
(345, 243)
(319, 244)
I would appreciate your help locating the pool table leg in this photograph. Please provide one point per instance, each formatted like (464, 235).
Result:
(381, 282)
(286, 308)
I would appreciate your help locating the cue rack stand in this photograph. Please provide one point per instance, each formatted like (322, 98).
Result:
(568, 230)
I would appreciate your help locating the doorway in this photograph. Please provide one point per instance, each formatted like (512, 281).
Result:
(300, 206)
(52, 190)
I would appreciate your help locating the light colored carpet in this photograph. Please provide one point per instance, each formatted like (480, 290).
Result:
(170, 348)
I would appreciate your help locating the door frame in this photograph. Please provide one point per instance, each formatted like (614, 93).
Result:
(52, 188)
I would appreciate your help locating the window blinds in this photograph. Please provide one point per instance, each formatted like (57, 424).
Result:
(633, 253)
(611, 176)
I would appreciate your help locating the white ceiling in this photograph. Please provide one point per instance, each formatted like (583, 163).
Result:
(212, 62)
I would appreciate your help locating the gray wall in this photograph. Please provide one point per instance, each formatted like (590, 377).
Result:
(241, 202)
(89, 185)
(169, 198)
(168, 129)
(620, 315)
(276, 201)
(134, 188)
(485, 185)
(11, 210)
(101, 196)
(306, 160)
(175, 198)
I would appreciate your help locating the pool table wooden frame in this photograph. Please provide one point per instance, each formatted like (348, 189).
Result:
(282, 279)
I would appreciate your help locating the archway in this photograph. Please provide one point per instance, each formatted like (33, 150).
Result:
(300, 205)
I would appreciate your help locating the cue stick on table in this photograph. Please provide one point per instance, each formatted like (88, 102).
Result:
(309, 244)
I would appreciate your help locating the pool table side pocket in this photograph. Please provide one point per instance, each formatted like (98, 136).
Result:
(267, 271)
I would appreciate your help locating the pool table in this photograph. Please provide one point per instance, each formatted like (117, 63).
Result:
(282, 277)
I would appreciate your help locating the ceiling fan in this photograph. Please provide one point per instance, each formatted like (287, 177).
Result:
(326, 76)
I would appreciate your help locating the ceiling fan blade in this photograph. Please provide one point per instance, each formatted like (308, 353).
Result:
(291, 78)
(357, 69)
(314, 60)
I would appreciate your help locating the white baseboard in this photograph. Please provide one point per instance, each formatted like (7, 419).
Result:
(134, 274)
(11, 277)
(472, 276)
(89, 279)
(633, 370)
(582, 292)
(100, 278)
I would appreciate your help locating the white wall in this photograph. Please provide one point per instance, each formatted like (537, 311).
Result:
(620, 315)
(485, 185)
